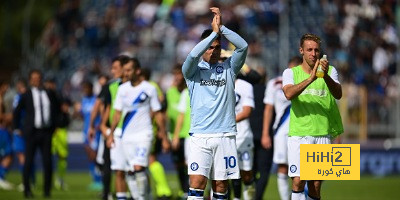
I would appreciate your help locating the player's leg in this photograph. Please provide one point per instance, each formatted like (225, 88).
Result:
(91, 151)
(118, 165)
(225, 165)
(200, 159)
(157, 171)
(220, 189)
(246, 165)
(294, 166)
(314, 187)
(181, 167)
(138, 158)
(281, 158)
(61, 150)
(5, 157)
(314, 190)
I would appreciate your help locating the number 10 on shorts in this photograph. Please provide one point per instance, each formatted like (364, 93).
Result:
(230, 162)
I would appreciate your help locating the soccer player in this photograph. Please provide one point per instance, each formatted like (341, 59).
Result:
(314, 115)
(136, 100)
(103, 155)
(244, 140)
(212, 151)
(174, 94)
(275, 100)
(117, 164)
(163, 191)
(91, 143)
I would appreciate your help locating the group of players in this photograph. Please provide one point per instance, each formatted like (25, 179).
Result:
(209, 121)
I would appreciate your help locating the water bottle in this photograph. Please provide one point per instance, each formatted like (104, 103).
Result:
(320, 72)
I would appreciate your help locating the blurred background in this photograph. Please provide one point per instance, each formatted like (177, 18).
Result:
(74, 40)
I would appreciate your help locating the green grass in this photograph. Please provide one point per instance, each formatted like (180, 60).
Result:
(368, 187)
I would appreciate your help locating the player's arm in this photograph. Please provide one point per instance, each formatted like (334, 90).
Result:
(95, 111)
(105, 131)
(162, 133)
(265, 138)
(246, 112)
(332, 82)
(293, 90)
(178, 128)
(239, 55)
(189, 67)
(114, 124)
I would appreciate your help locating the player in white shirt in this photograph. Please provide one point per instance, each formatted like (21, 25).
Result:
(244, 139)
(136, 100)
(275, 100)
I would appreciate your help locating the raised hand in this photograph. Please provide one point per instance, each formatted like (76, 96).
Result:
(313, 75)
(217, 20)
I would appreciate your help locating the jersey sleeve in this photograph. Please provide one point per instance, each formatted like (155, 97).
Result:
(248, 99)
(287, 77)
(155, 104)
(182, 101)
(118, 100)
(269, 93)
(334, 75)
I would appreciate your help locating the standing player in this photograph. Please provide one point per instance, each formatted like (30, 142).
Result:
(275, 100)
(174, 94)
(212, 151)
(244, 139)
(135, 100)
(91, 143)
(156, 169)
(314, 115)
(117, 165)
(103, 154)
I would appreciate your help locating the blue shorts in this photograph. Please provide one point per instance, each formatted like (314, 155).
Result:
(18, 143)
(5, 143)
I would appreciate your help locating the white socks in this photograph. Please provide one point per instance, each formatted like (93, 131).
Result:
(298, 195)
(249, 192)
(283, 186)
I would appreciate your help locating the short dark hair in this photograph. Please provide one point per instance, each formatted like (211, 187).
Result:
(208, 32)
(310, 36)
(33, 71)
(146, 73)
(123, 59)
(88, 84)
(136, 63)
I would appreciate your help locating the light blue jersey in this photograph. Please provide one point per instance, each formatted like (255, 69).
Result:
(212, 87)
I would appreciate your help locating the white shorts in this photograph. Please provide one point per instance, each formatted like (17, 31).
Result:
(246, 154)
(280, 145)
(213, 157)
(294, 150)
(129, 151)
(117, 155)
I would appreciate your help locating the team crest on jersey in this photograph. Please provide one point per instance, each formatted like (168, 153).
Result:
(143, 96)
(293, 168)
(194, 166)
(219, 69)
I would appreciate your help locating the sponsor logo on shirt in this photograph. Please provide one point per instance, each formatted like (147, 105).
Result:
(314, 92)
(213, 82)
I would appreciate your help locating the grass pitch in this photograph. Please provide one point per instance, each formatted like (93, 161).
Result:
(368, 187)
